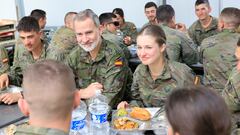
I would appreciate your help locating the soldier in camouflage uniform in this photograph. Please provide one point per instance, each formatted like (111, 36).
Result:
(156, 77)
(110, 24)
(128, 29)
(180, 48)
(231, 92)
(32, 50)
(217, 52)
(64, 39)
(4, 66)
(97, 63)
(205, 26)
(58, 98)
(150, 10)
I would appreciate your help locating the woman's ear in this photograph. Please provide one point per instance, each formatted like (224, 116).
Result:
(163, 48)
(23, 105)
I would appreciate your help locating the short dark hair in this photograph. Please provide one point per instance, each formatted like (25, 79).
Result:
(231, 16)
(154, 31)
(238, 43)
(165, 13)
(150, 4)
(38, 14)
(118, 11)
(198, 2)
(106, 17)
(28, 24)
(198, 111)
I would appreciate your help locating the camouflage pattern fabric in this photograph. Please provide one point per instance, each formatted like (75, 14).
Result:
(22, 59)
(117, 41)
(147, 92)
(129, 29)
(180, 48)
(198, 33)
(217, 56)
(31, 130)
(109, 68)
(4, 61)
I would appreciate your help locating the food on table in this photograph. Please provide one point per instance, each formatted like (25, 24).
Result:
(140, 113)
(122, 112)
(125, 124)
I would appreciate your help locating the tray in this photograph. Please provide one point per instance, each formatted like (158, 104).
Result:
(152, 124)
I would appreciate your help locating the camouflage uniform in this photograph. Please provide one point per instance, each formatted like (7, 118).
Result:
(147, 92)
(180, 48)
(109, 68)
(4, 66)
(31, 130)
(198, 33)
(117, 41)
(231, 95)
(129, 29)
(217, 55)
(22, 59)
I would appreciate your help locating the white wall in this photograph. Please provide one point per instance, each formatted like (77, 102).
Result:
(56, 9)
(8, 10)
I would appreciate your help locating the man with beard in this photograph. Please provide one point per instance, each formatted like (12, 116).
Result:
(32, 49)
(150, 10)
(97, 63)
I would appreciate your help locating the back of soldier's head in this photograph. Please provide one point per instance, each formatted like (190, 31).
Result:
(69, 18)
(28, 24)
(85, 14)
(165, 13)
(230, 16)
(199, 2)
(118, 11)
(150, 4)
(49, 89)
(38, 14)
(106, 18)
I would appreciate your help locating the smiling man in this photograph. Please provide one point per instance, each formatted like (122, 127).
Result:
(97, 63)
(206, 25)
(150, 10)
(31, 50)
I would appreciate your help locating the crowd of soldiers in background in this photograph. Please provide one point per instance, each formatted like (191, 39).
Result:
(96, 49)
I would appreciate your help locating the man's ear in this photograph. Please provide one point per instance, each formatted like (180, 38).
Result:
(101, 29)
(77, 99)
(23, 106)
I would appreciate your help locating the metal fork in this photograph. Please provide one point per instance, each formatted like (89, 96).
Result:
(159, 111)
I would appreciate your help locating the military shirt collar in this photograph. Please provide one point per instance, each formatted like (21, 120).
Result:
(86, 57)
(228, 31)
(213, 25)
(28, 129)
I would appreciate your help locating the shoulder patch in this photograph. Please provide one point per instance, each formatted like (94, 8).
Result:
(119, 62)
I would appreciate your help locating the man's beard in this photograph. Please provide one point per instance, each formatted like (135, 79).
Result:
(89, 48)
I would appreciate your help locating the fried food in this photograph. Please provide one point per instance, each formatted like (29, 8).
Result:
(125, 124)
(140, 113)
(122, 112)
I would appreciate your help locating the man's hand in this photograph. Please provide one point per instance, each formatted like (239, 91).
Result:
(123, 104)
(9, 98)
(127, 40)
(4, 80)
(181, 27)
(90, 91)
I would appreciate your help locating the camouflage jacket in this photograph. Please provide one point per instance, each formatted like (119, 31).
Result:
(117, 41)
(180, 48)
(147, 92)
(109, 68)
(231, 92)
(22, 59)
(129, 29)
(198, 33)
(217, 56)
(4, 65)
(30, 130)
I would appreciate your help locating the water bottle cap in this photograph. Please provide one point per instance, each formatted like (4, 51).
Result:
(98, 92)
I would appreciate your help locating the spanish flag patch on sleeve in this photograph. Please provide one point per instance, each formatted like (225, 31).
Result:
(119, 62)
(5, 60)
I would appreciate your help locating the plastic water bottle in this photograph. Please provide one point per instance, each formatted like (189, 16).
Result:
(78, 123)
(98, 109)
(120, 34)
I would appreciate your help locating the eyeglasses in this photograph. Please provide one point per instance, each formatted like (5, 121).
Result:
(116, 23)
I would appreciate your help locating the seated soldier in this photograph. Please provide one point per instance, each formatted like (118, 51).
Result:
(197, 111)
(50, 106)
(150, 10)
(180, 48)
(32, 50)
(128, 29)
(109, 23)
(232, 91)
(4, 65)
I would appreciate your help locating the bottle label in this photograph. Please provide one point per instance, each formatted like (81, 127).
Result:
(99, 118)
(77, 124)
